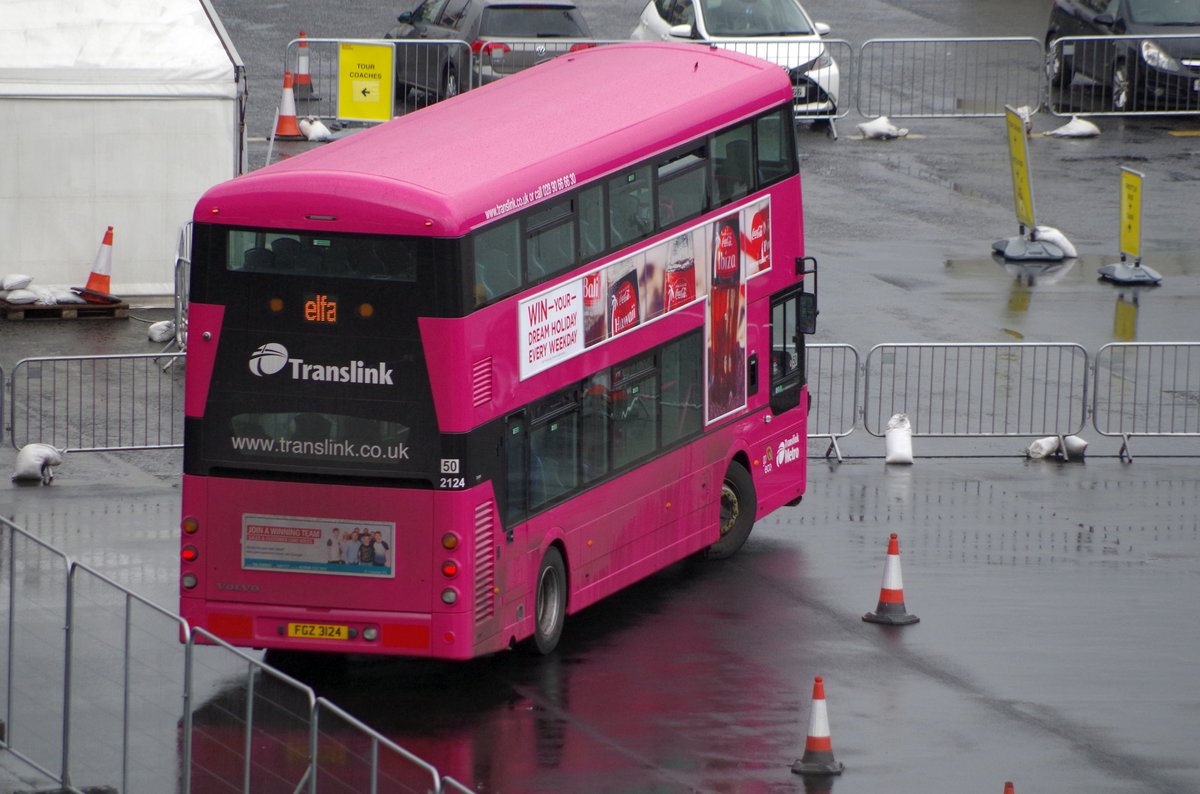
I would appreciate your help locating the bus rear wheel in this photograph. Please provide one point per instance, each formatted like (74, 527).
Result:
(550, 606)
(738, 507)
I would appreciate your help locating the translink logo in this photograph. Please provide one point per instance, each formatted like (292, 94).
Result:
(273, 357)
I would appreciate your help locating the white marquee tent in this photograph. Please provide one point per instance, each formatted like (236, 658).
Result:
(118, 113)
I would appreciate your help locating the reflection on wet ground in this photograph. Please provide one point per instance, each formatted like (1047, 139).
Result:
(1051, 649)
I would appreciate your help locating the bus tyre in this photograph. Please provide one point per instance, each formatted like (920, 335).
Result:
(738, 507)
(550, 607)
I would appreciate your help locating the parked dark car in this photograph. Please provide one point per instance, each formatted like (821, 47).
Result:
(1142, 70)
(490, 29)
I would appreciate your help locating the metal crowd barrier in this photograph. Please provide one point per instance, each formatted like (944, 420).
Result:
(183, 264)
(105, 688)
(977, 390)
(948, 78)
(1147, 389)
(1107, 75)
(832, 371)
(89, 403)
(3, 391)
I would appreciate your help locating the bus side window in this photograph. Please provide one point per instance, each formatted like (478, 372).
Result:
(554, 459)
(592, 239)
(776, 146)
(635, 420)
(734, 172)
(682, 388)
(593, 430)
(515, 457)
(497, 258)
(630, 207)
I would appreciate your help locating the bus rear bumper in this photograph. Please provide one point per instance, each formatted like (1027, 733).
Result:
(334, 630)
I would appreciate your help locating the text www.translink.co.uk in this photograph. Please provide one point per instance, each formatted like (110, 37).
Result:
(324, 448)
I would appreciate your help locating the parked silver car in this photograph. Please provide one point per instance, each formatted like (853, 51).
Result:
(779, 31)
(484, 26)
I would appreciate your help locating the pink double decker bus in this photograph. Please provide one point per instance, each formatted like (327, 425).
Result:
(456, 377)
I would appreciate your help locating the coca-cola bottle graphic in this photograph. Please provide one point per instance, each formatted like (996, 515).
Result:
(681, 273)
(724, 305)
(758, 241)
(624, 299)
(595, 312)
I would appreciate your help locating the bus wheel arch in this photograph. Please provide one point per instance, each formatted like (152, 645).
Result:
(737, 509)
(550, 600)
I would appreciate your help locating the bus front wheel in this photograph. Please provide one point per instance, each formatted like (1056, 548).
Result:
(738, 506)
(550, 609)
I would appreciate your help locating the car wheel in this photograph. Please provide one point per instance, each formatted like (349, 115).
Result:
(550, 601)
(1122, 87)
(738, 507)
(449, 83)
(1059, 69)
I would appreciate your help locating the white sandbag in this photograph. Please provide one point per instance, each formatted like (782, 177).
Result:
(45, 295)
(1043, 447)
(16, 281)
(36, 462)
(1051, 235)
(1074, 447)
(881, 129)
(314, 129)
(65, 295)
(898, 440)
(22, 296)
(1075, 128)
(162, 331)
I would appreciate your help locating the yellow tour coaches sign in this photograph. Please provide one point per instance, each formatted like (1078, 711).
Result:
(1018, 152)
(365, 81)
(1131, 213)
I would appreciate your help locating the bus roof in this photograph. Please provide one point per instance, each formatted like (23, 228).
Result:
(444, 169)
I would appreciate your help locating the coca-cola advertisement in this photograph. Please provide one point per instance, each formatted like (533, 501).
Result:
(727, 321)
(756, 239)
(680, 278)
(624, 297)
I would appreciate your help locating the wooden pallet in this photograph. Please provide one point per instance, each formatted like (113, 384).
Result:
(64, 311)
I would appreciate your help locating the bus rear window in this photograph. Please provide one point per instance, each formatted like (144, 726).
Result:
(337, 256)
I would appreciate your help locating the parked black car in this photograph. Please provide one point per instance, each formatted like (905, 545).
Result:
(1153, 61)
(488, 29)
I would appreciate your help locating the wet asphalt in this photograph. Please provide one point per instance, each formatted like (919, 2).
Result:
(1055, 647)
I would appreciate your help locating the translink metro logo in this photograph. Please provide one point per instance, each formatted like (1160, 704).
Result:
(273, 357)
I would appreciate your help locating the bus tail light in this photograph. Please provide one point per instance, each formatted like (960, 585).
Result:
(190, 525)
(449, 596)
(189, 581)
(189, 553)
(450, 541)
(450, 569)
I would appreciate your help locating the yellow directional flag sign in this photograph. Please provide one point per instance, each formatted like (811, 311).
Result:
(1018, 153)
(1131, 213)
(366, 78)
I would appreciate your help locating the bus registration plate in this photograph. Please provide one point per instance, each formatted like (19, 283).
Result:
(320, 631)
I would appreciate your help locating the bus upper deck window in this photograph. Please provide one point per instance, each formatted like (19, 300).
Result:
(497, 261)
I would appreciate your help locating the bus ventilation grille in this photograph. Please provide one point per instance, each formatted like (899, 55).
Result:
(485, 561)
(481, 382)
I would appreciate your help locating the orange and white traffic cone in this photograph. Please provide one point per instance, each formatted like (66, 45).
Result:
(99, 283)
(1008, 788)
(818, 749)
(303, 85)
(287, 128)
(891, 609)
